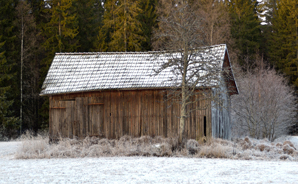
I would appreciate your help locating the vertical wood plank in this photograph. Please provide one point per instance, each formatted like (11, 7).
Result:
(145, 113)
(156, 112)
(140, 105)
(107, 111)
(69, 118)
(164, 125)
(176, 115)
(121, 114)
(193, 119)
(170, 116)
(113, 114)
(151, 113)
(131, 101)
(161, 113)
(50, 117)
(82, 115)
(125, 114)
(209, 121)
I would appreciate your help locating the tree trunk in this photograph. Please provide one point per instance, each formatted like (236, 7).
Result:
(183, 97)
(22, 54)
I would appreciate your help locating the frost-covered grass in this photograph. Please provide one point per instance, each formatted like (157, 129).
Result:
(39, 147)
(186, 169)
(244, 149)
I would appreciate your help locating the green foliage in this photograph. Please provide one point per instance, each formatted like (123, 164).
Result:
(126, 25)
(8, 58)
(62, 27)
(245, 28)
(149, 21)
(89, 16)
(122, 27)
(284, 39)
(8, 124)
(60, 31)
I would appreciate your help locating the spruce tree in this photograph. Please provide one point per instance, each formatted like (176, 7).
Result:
(149, 21)
(245, 29)
(107, 28)
(122, 26)
(60, 36)
(60, 31)
(284, 39)
(62, 27)
(9, 58)
(8, 124)
(89, 16)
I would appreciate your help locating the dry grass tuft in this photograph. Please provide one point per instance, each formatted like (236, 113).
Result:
(192, 146)
(215, 150)
(288, 149)
(290, 144)
(263, 147)
(38, 147)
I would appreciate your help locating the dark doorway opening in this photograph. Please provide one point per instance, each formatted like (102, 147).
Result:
(205, 126)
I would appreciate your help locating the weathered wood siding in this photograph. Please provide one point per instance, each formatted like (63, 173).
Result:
(113, 114)
(221, 126)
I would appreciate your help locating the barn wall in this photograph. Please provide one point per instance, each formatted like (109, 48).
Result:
(221, 126)
(113, 114)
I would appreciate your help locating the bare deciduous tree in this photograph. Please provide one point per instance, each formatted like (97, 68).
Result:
(194, 65)
(215, 21)
(265, 107)
(29, 67)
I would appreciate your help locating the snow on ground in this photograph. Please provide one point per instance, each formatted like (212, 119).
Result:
(142, 169)
(7, 149)
(294, 140)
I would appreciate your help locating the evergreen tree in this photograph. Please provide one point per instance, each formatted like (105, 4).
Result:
(89, 15)
(284, 39)
(122, 26)
(8, 124)
(60, 36)
(245, 29)
(62, 28)
(28, 66)
(149, 21)
(108, 26)
(9, 51)
(60, 31)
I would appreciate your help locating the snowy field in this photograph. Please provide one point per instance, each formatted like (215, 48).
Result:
(142, 169)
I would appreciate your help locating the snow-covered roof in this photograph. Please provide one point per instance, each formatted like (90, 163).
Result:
(82, 72)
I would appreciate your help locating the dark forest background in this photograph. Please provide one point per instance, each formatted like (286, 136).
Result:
(32, 31)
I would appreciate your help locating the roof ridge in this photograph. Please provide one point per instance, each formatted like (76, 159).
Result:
(130, 52)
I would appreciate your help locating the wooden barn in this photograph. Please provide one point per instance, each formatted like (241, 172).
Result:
(116, 94)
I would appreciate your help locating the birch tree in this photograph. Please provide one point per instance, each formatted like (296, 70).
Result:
(181, 36)
(28, 45)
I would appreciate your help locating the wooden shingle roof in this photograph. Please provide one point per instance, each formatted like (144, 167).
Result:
(82, 72)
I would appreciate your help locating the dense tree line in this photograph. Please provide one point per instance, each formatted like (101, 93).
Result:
(32, 31)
